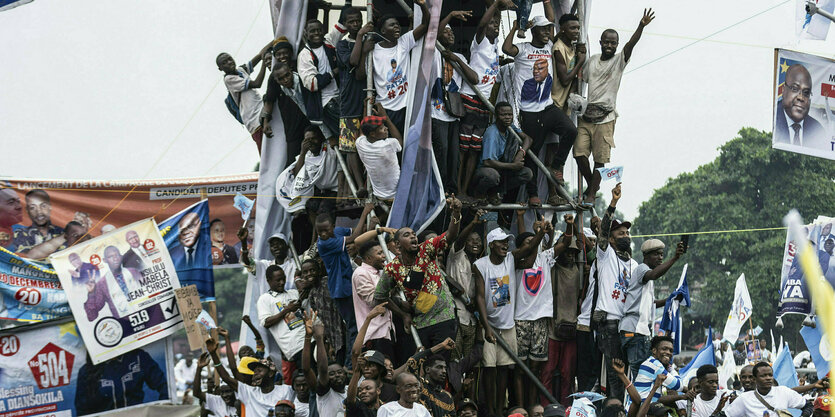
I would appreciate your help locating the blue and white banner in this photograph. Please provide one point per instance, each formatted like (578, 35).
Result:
(818, 347)
(784, 372)
(189, 244)
(420, 193)
(30, 291)
(45, 371)
(611, 172)
(244, 205)
(11, 4)
(671, 319)
(705, 356)
(741, 311)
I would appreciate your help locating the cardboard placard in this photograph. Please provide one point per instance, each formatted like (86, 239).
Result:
(188, 300)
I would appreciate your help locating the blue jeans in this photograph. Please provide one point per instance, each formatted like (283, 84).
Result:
(523, 11)
(636, 350)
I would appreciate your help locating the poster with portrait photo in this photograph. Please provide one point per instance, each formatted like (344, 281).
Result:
(130, 302)
(804, 97)
(795, 297)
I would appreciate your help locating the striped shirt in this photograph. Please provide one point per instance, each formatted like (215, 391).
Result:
(646, 377)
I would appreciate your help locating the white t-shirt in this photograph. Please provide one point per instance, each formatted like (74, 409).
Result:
(288, 333)
(702, 408)
(780, 398)
(499, 288)
(248, 100)
(604, 81)
(380, 160)
(331, 91)
(289, 267)
(302, 409)
(484, 60)
(446, 73)
(534, 294)
(534, 94)
(257, 403)
(332, 403)
(391, 72)
(614, 275)
(216, 405)
(394, 409)
(639, 309)
(585, 307)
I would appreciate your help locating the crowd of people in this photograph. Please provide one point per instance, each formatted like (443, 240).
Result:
(469, 319)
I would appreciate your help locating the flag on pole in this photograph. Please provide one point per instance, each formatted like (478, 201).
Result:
(244, 205)
(812, 27)
(727, 370)
(206, 320)
(705, 356)
(611, 172)
(784, 372)
(420, 193)
(818, 347)
(741, 311)
(671, 320)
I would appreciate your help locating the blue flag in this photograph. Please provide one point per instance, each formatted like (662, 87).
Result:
(244, 205)
(784, 372)
(187, 237)
(813, 337)
(705, 356)
(671, 319)
(420, 193)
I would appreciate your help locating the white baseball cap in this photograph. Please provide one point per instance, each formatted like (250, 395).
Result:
(497, 234)
(540, 21)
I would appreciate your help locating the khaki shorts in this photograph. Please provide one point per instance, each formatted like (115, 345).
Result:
(493, 354)
(596, 140)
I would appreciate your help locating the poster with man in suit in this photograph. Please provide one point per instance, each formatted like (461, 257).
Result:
(803, 116)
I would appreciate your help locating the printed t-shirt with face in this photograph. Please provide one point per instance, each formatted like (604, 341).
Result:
(640, 303)
(449, 77)
(288, 333)
(216, 405)
(331, 404)
(422, 284)
(380, 160)
(532, 76)
(534, 294)
(499, 288)
(257, 403)
(484, 60)
(391, 72)
(394, 409)
(604, 81)
(613, 275)
(331, 90)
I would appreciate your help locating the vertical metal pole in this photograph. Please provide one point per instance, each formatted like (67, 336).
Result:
(369, 62)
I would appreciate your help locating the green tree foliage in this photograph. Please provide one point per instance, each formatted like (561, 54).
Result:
(230, 289)
(749, 185)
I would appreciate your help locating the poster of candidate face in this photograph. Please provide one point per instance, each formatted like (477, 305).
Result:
(45, 371)
(803, 118)
(187, 236)
(794, 295)
(127, 300)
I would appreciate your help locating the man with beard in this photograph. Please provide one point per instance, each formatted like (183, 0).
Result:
(136, 257)
(330, 381)
(793, 124)
(222, 405)
(661, 362)
(408, 387)
(11, 214)
(766, 399)
(39, 209)
(263, 394)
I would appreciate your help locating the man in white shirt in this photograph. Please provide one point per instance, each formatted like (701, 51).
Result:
(751, 403)
(221, 405)
(277, 313)
(329, 379)
(184, 372)
(279, 249)
(377, 148)
(317, 68)
(709, 400)
(244, 90)
(408, 387)
(136, 257)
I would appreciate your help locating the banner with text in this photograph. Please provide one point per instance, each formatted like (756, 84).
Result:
(29, 291)
(35, 211)
(794, 295)
(127, 301)
(44, 371)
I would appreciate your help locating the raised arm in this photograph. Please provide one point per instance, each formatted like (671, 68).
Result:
(356, 52)
(549, 14)
(230, 355)
(620, 370)
(508, 47)
(457, 14)
(211, 346)
(421, 29)
(648, 17)
(259, 342)
(202, 362)
(662, 269)
(243, 236)
(530, 248)
(462, 237)
(307, 351)
(351, 394)
(466, 71)
(488, 16)
(322, 385)
(258, 58)
(606, 223)
(393, 131)
(454, 205)
(565, 240)
(656, 385)
(356, 350)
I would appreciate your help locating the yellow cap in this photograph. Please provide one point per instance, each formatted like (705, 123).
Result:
(243, 365)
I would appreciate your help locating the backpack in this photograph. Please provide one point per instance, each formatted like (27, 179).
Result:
(233, 108)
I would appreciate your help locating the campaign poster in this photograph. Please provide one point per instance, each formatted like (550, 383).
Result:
(794, 295)
(187, 237)
(803, 118)
(36, 214)
(752, 351)
(130, 302)
(29, 291)
(45, 371)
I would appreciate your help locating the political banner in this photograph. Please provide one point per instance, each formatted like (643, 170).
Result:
(794, 294)
(803, 118)
(45, 371)
(36, 211)
(188, 242)
(130, 302)
(30, 291)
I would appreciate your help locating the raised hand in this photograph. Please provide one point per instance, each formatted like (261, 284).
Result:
(243, 234)
(378, 310)
(568, 218)
(308, 323)
(507, 4)
(453, 203)
(619, 366)
(203, 361)
(448, 344)
(223, 332)
(660, 378)
(649, 16)
(616, 193)
(462, 14)
(211, 345)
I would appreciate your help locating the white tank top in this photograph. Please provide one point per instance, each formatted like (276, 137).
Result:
(499, 289)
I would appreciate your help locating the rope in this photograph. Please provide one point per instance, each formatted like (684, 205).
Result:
(714, 232)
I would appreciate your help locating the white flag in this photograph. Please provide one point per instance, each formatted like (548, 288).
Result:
(813, 27)
(741, 310)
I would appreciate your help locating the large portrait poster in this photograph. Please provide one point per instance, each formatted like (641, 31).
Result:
(803, 118)
(36, 211)
(794, 294)
(127, 299)
(45, 371)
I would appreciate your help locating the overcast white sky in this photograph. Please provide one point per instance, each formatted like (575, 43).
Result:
(100, 89)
